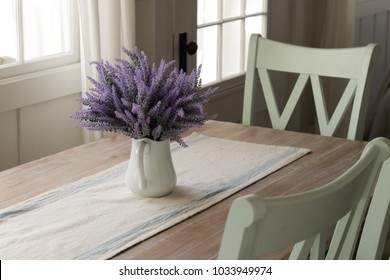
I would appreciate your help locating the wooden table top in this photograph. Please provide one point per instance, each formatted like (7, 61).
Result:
(198, 237)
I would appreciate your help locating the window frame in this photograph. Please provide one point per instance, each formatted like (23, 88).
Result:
(45, 79)
(232, 80)
(52, 61)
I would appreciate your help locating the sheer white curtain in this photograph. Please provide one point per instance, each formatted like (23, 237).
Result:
(106, 27)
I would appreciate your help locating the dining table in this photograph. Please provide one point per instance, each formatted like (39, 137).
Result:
(197, 237)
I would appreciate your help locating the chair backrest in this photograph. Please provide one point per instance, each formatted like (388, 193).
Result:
(352, 64)
(258, 226)
(376, 226)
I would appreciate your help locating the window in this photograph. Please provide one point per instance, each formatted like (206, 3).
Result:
(224, 28)
(37, 35)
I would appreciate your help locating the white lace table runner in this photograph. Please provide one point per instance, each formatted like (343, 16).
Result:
(97, 217)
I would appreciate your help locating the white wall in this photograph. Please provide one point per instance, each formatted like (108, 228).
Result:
(34, 114)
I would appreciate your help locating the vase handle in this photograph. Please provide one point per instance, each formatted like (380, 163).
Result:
(141, 170)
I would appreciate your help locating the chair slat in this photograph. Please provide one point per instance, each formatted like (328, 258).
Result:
(352, 64)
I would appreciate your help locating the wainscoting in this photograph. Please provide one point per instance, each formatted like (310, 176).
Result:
(34, 115)
(373, 25)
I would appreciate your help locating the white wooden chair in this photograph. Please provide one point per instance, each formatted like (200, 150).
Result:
(376, 226)
(353, 64)
(259, 226)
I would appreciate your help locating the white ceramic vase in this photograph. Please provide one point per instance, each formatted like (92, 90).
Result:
(150, 172)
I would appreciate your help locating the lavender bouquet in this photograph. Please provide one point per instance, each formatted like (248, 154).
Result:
(140, 101)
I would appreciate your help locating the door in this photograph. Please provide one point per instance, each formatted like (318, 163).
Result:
(221, 30)
(184, 36)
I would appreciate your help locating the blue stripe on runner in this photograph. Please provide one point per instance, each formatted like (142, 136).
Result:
(59, 194)
(106, 175)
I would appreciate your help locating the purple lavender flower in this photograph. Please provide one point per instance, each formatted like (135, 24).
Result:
(139, 101)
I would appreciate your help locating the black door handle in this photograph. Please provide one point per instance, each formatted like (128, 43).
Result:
(185, 48)
(192, 47)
